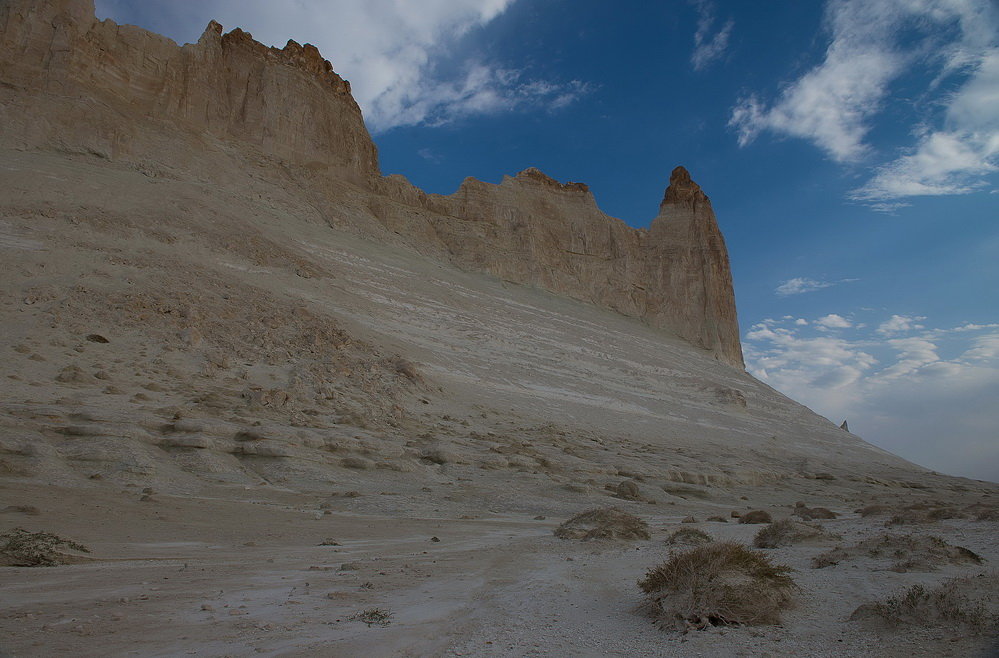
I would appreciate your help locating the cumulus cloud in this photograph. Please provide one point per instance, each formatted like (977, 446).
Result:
(898, 324)
(871, 45)
(902, 393)
(709, 47)
(799, 285)
(833, 321)
(392, 52)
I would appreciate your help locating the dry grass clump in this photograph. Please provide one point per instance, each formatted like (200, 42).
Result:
(810, 513)
(900, 553)
(787, 533)
(756, 516)
(605, 523)
(689, 536)
(965, 605)
(717, 584)
(20, 548)
(983, 512)
(374, 617)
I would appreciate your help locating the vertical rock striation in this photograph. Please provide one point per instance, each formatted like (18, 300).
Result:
(286, 102)
(71, 82)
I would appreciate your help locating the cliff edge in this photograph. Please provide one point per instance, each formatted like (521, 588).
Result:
(71, 82)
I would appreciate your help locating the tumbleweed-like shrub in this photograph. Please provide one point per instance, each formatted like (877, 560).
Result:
(959, 605)
(689, 536)
(604, 523)
(756, 516)
(787, 533)
(900, 553)
(20, 548)
(717, 584)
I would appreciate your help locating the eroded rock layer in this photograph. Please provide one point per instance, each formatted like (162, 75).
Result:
(117, 87)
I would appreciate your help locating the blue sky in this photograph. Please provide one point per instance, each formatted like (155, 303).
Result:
(850, 148)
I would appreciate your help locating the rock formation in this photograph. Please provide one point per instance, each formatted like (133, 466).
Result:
(118, 86)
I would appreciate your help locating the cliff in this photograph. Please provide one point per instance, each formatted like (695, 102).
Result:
(112, 82)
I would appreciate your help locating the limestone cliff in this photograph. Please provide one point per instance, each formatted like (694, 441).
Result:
(289, 103)
(113, 83)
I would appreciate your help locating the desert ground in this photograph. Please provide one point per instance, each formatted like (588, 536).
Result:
(330, 445)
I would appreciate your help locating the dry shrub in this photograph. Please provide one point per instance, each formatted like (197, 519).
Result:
(809, 513)
(901, 553)
(959, 605)
(756, 516)
(983, 512)
(407, 369)
(787, 533)
(925, 512)
(605, 523)
(873, 510)
(628, 490)
(20, 548)
(717, 584)
(689, 536)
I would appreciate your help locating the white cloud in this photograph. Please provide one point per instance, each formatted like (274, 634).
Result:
(708, 47)
(898, 324)
(954, 159)
(799, 285)
(899, 393)
(391, 51)
(872, 44)
(833, 321)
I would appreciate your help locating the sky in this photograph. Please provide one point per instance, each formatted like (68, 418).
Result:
(850, 149)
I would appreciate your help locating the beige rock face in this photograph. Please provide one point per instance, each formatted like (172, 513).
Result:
(116, 83)
(289, 103)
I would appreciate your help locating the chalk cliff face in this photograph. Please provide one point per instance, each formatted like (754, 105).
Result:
(289, 107)
(289, 103)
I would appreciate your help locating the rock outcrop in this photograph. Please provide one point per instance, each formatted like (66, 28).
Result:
(288, 103)
(112, 83)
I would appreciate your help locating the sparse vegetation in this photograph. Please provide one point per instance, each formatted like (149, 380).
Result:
(605, 523)
(20, 548)
(958, 605)
(901, 553)
(756, 516)
(787, 533)
(689, 536)
(810, 513)
(374, 617)
(721, 583)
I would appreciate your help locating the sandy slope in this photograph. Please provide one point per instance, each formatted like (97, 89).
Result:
(263, 367)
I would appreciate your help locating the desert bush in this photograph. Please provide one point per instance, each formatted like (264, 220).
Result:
(901, 553)
(374, 617)
(756, 516)
(407, 370)
(605, 523)
(688, 519)
(628, 490)
(717, 584)
(691, 536)
(983, 512)
(809, 513)
(958, 605)
(20, 548)
(787, 533)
